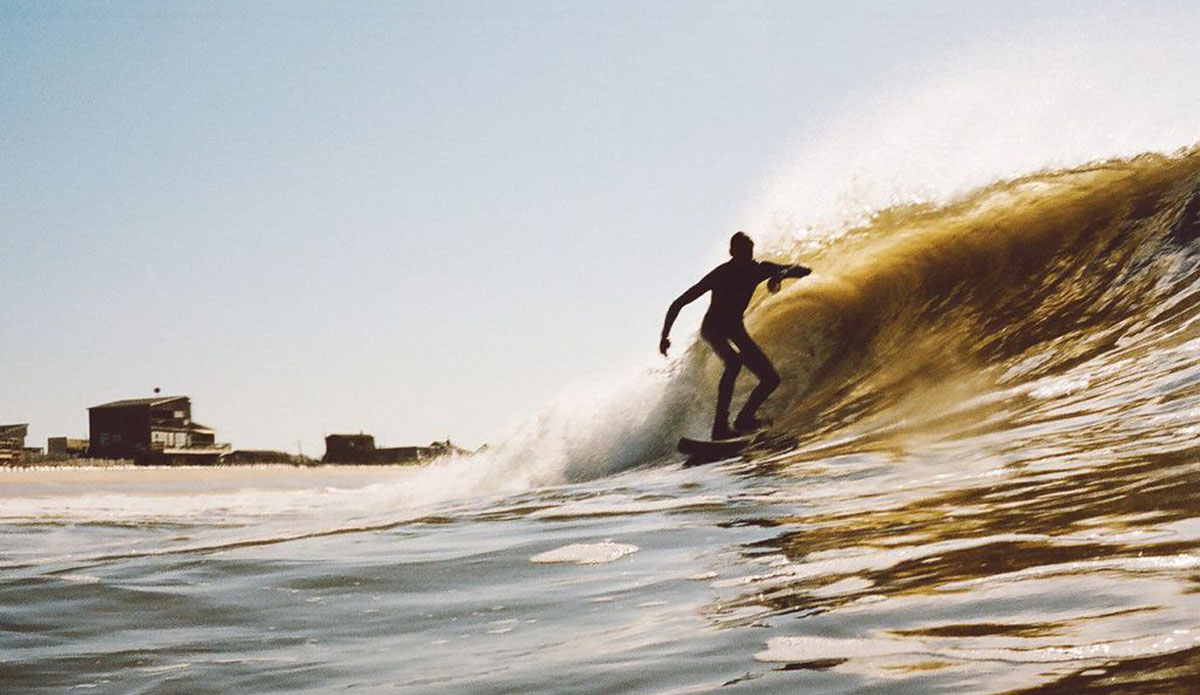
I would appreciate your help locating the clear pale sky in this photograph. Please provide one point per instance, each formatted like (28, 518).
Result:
(418, 219)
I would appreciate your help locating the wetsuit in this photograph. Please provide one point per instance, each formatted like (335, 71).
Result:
(732, 285)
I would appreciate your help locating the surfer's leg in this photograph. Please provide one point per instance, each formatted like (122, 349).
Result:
(721, 429)
(733, 365)
(768, 380)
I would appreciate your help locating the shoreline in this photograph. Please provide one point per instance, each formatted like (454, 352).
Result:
(156, 481)
(127, 464)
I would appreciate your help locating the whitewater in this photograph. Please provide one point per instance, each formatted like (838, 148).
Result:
(982, 478)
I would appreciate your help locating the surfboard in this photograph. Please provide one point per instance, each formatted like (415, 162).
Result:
(705, 451)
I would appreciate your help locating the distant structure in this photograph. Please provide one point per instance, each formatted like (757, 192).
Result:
(12, 442)
(360, 448)
(155, 430)
(60, 448)
(349, 448)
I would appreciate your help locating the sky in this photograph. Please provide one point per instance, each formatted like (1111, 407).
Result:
(418, 220)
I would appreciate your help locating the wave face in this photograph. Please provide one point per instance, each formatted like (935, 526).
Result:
(1064, 289)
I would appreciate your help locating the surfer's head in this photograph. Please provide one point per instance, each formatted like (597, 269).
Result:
(741, 246)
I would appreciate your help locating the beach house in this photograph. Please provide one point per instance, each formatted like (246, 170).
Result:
(156, 430)
(12, 442)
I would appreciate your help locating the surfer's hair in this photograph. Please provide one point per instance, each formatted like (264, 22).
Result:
(741, 244)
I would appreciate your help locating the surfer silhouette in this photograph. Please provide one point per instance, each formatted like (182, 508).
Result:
(732, 285)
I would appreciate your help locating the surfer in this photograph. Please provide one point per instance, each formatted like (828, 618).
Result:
(732, 285)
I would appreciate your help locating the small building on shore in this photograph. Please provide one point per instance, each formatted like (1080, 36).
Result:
(59, 448)
(12, 442)
(360, 449)
(157, 431)
(349, 448)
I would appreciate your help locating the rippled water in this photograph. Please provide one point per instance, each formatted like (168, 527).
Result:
(1000, 559)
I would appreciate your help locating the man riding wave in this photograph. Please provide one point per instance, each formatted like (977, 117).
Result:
(732, 285)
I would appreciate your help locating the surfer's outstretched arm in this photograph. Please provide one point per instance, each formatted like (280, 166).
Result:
(692, 294)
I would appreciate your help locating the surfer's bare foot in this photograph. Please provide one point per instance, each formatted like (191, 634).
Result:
(720, 433)
(747, 425)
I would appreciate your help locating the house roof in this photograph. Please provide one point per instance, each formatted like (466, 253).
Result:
(157, 400)
(14, 429)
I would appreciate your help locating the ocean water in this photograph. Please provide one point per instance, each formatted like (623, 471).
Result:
(984, 477)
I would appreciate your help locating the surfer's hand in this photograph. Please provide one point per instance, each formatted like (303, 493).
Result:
(774, 283)
(663, 345)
